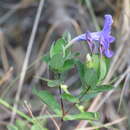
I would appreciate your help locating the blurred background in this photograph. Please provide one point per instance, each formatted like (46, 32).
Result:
(57, 17)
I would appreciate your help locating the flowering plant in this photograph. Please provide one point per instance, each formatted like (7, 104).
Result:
(92, 72)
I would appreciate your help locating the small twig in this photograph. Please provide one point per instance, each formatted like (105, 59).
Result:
(25, 65)
(9, 14)
(28, 109)
(123, 90)
(105, 125)
(7, 76)
(54, 121)
(5, 104)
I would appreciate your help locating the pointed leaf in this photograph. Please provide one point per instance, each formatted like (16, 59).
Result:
(80, 68)
(21, 125)
(12, 127)
(37, 127)
(101, 88)
(69, 98)
(103, 69)
(56, 62)
(83, 116)
(57, 48)
(54, 83)
(48, 99)
(89, 96)
(91, 77)
(68, 64)
(67, 36)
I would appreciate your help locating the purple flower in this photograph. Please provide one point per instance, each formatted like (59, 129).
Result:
(100, 41)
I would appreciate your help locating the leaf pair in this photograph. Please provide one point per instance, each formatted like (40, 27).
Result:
(59, 59)
(52, 103)
(93, 71)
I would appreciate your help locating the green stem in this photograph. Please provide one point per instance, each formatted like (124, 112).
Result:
(62, 104)
(70, 44)
(4, 103)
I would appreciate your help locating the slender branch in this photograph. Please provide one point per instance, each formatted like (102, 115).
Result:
(62, 104)
(107, 124)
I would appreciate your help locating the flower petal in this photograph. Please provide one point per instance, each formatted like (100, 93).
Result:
(108, 53)
(104, 41)
(81, 37)
(94, 36)
(111, 39)
(107, 24)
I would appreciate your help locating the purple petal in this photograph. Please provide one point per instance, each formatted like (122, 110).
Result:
(107, 24)
(104, 41)
(108, 53)
(81, 37)
(111, 39)
(94, 36)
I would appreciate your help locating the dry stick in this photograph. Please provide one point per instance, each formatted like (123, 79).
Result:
(106, 125)
(9, 14)
(22, 4)
(114, 62)
(3, 53)
(28, 107)
(25, 65)
(7, 76)
(123, 91)
(54, 121)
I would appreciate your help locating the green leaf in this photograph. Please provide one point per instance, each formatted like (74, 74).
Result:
(51, 50)
(37, 127)
(69, 98)
(107, 61)
(91, 77)
(48, 99)
(68, 64)
(51, 83)
(88, 96)
(93, 62)
(46, 58)
(81, 108)
(80, 68)
(57, 48)
(103, 69)
(21, 125)
(12, 127)
(101, 88)
(54, 83)
(67, 36)
(56, 62)
(83, 116)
